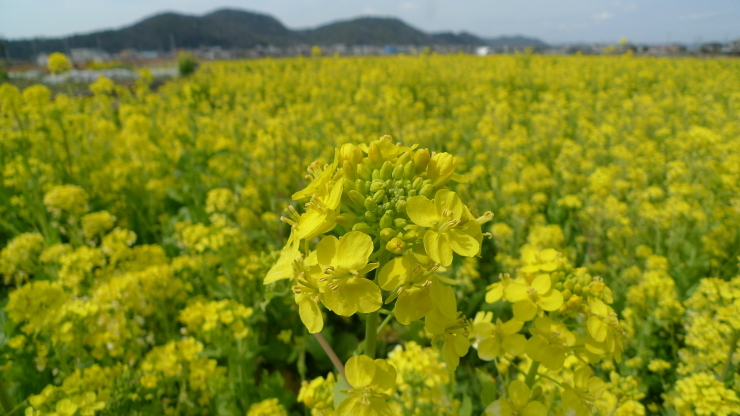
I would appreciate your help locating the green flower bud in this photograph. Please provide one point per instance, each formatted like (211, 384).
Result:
(376, 186)
(374, 156)
(396, 246)
(386, 221)
(421, 159)
(376, 174)
(404, 158)
(378, 197)
(427, 191)
(412, 193)
(410, 236)
(370, 205)
(558, 286)
(568, 284)
(364, 172)
(357, 198)
(577, 288)
(370, 216)
(399, 223)
(387, 233)
(386, 171)
(566, 294)
(350, 170)
(409, 170)
(364, 227)
(417, 183)
(398, 172)
(401, 206)
(360, 186)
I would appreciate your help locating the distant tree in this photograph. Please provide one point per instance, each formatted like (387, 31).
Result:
(187, 63)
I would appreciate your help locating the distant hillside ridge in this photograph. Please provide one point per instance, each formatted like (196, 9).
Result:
(240, 29)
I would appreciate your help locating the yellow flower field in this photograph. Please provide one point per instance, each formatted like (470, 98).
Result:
(403, 235)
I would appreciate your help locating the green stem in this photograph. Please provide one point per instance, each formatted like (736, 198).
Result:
(728, 362)
(371, 333)
(330, 353)
(371, 321)
(532, 374)
(5, 399)
(385, 322)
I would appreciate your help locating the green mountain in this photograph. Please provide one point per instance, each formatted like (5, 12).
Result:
(237, 29)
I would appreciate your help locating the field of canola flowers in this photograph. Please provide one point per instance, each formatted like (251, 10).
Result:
(552, 235)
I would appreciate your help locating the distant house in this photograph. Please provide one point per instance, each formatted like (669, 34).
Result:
(85, 55)
(42, 59)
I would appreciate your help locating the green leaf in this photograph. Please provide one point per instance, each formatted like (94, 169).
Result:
(467, 407)
(338, 395)
(488, 393)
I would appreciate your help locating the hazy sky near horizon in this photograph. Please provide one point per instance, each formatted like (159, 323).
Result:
(554, 21)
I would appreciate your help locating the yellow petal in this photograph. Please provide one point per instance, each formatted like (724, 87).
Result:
(335, 196)
(413, 304)
(283, 268)
(516, 291)
(385, 376)
(512, 326)
(489, 349)
(524, 310)
(542, 283)
(353, 251)
(444, 300)
(462, 243)
(462, 345)
(452, 359)
(536, 347)
(352, 295)
(534, 408)
(597, 306)
(501, 407)
(360, 371)
(326, 250)
(359, 406)
(445, 199)
(438, 247)
(551, 301)
(495, 292)
(596, 328)
(394, 273)
(310, 313)
(553, 357)
(518, 393)
(515, 344)
(422, 211)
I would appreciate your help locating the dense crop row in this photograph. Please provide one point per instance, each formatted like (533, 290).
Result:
(138, 228)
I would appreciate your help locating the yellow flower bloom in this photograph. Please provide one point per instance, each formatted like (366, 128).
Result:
(496, 340)
(370, 381)
(344, 263)
(517, 404)
(532, 297)
(411, 282)
(550, 342)
(445, 323)
(580, 396)
(450, 226)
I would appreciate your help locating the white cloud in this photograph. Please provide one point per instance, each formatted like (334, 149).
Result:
(602, 16)
(697, 16)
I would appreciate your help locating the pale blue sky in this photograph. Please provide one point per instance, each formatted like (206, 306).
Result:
(653, 21)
